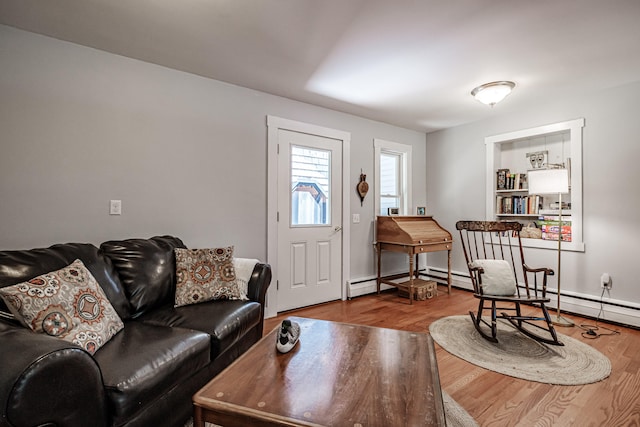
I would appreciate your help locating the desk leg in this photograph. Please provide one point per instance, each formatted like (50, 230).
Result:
(411, 269)
(378, 250)
(449, 271)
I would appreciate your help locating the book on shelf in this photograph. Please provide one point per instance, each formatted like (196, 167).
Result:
(553, 228)
(501, 182)
(554, 219)
(550, 226)
(556, 205)
(518, 205)
(566, 237)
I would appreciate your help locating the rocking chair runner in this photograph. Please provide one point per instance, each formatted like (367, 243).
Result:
(493, 268)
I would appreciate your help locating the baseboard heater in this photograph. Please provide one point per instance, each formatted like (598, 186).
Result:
(634, 309)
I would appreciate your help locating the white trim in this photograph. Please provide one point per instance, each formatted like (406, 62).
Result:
(364, 286)
(404, 150)
(273, 125)
(624, 312)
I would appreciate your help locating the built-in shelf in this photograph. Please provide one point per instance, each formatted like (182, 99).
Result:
(512, 191)
(518, 215)
(563, 143)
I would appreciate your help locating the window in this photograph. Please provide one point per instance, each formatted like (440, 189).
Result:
(393, 177)
(310, 186)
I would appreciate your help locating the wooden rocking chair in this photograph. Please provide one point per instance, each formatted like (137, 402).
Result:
(489, 248)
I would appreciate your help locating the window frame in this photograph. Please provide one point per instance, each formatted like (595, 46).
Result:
(382, 146)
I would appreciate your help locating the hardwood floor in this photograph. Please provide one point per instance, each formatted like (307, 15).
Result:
(494, 399)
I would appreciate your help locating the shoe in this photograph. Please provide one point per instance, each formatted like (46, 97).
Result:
(288, 336)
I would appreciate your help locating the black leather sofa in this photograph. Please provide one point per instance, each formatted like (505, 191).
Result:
(147, 373)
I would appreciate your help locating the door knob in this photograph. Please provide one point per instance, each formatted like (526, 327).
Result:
(338, 228)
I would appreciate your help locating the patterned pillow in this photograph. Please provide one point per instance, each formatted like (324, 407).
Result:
(204, 275)
(68, 304)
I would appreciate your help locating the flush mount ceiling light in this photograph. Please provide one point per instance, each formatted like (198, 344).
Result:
(492, 93)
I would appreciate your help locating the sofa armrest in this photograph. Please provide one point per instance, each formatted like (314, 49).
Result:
(48, 381)
(258, 285)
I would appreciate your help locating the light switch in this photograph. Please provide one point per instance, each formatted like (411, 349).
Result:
(356, 218)
(115, 207)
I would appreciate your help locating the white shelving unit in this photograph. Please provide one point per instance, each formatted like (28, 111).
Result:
(563, 142)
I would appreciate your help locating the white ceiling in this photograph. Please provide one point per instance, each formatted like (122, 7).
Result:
(407, 62)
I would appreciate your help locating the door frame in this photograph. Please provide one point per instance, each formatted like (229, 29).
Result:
(274, 124)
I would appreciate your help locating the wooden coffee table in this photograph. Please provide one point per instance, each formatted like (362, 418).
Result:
(337, 375)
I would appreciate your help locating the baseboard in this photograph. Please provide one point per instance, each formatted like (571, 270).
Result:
(367, 285)
(364, 286)
(617, 311)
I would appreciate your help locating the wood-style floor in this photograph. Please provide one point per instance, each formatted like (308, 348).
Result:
(498, 400)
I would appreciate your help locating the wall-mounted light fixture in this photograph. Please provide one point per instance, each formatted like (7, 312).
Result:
(492, 93)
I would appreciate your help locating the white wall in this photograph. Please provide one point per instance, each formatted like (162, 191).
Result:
(186, 155)
(611, 149)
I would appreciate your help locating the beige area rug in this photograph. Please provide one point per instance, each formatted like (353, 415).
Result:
(518, 356)
(455, 415)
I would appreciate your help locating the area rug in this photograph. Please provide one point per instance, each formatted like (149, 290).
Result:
(455, 415)
(519, 356)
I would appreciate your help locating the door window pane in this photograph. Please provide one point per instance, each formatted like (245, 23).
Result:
(310, 186)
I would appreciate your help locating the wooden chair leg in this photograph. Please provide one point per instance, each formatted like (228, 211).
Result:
(552, 330)
(494, 321)
(478, 321)
(519, 314)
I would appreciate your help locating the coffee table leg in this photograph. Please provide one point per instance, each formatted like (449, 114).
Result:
(198, 421)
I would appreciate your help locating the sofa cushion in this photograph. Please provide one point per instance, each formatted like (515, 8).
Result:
(67, 304)
(226, 321)
(144, 362)
(23, 265)
(146, 268)
(204, 275)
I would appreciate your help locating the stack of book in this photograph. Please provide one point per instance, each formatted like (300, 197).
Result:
(550, 225)
(518, 205)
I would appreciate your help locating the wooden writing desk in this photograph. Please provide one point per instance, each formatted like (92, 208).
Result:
(412, 235)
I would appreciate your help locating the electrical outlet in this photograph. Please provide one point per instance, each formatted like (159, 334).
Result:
(355, 218)
(605, 281)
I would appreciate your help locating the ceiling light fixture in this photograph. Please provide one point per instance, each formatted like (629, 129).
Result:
(492, 93)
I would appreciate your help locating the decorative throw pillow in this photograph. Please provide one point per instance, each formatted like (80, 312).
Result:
(498, 278)
(204, 275)
(68, 304)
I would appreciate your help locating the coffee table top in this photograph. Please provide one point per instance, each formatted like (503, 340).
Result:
(338, 374)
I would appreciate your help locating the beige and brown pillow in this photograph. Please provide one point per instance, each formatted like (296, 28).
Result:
(68, 304)
(204, 275)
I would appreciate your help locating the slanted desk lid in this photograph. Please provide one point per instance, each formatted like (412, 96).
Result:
(410, 230)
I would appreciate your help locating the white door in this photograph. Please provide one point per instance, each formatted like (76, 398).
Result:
(309, 219)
